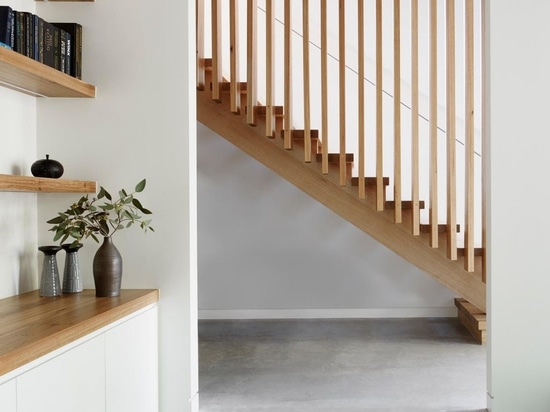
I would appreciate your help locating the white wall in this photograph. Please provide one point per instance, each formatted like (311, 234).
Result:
(140, 56)
(18, 210)
(519, 308)
(266, 249)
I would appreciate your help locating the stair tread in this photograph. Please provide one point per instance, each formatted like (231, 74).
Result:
(477, 251)
(441, 228)
(300, 134)
(226, 86)
(405, 204)
(335, 157)
(262, 110)
(370, 181)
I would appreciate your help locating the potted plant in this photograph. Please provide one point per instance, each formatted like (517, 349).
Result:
(103, 216)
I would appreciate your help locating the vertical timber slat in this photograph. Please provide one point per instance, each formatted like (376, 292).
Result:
(235, 91)
(414, 122)
(397, 109)
(270, 68)
(307, 109)
(451, 133)
(434, 235)
(216, 50)
(361, 103)
(342, 91)
(324, 88)
(380, 198)
(469, 166)
(251, 57)
(288, 76)
(199, 23)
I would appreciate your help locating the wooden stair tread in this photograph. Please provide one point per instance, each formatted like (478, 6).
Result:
(300, 134)
(335, 157)
(473, 319)
(405, 204)
(442, 228)
(477, 251)
(226, 86)
(370, 181)
(279, 111)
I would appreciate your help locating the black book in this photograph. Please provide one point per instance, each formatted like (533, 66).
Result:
(40, 39)
(63, 51)
(74, 30)
(29, 44)
(68, 55)
(49, 44)
(7, 27)
(35, 37)
(20, 31)
(56, 47)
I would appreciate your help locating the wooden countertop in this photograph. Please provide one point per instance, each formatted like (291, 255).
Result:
(32, 326)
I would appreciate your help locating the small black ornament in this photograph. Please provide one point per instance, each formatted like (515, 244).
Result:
(47, 168)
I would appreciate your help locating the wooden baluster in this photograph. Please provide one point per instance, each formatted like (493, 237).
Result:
(397, 109)
(307, 118)
(434, 240)
(251, 57)
(361, 103)
(288, 77)
(324, 88)
(342, 84)
(199, 23)
(235, 89)
(216, 50)
(469, 115)
(451, 133)
(270, 68)
(414, 121)
(380, 197)
(484, 125)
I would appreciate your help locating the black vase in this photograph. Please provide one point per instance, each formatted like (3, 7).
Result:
(107, 268)
(47, 168)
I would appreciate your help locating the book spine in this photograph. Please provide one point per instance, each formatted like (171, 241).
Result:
(41, 40)
(69, 56)
(28, 35)
(35, 37)
(7, 27)
(19, 33)
(56, 48)
(48, 44)
(62, 50)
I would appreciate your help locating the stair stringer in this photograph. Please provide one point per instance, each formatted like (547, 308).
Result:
(342, 200)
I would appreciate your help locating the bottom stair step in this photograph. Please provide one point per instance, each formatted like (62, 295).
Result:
(473, 319)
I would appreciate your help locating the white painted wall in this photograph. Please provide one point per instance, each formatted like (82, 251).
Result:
(519, 308)
(18, 216)
(142, 124)
(266, 249)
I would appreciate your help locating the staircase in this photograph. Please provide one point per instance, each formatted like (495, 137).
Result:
(337, 149)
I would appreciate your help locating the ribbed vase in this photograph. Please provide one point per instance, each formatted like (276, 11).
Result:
(72, 283)
(107, 269)
(49, 281)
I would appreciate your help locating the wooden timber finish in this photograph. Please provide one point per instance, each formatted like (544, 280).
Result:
(29, 76)
(33, 326)
(12, 183)
(473, 319)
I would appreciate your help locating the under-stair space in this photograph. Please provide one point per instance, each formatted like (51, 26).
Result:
(373, 108)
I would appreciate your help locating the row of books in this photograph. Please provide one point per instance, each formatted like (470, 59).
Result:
(58, 45)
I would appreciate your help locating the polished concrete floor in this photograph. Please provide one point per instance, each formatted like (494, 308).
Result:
(402, 365)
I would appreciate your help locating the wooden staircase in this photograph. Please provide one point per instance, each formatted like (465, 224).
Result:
(225, 107)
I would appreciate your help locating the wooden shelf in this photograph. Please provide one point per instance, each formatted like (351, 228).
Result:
(11, 183)
(29, 76)
(33, 326)
(68, 0)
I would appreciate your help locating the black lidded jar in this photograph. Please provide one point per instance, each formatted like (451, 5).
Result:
(47, 168)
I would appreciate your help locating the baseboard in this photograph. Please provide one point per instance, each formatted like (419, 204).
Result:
(328, 313)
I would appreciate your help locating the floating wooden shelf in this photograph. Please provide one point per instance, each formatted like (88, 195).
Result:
(11, 183)
(29, 76)
(33, 326)
(68, 0)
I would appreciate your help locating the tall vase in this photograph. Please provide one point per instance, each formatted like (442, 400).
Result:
(71, 273)
(107, 269)
(49, 281)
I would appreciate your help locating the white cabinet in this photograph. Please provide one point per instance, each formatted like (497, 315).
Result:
(72, 381)
(8, 396)
(132, 365)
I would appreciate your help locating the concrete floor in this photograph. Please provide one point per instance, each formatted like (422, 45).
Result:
(402, 365)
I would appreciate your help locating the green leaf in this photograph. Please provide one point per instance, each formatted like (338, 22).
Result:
(94, 237)
(56, 220)
(140, 186)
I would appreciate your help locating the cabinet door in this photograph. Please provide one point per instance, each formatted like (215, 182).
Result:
(73, 381)
(131, 351)
(8, 396)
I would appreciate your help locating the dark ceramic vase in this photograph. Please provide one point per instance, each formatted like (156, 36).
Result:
(107, 269)
(47, 168)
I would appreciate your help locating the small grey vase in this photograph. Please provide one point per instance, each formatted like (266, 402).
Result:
(72, 283)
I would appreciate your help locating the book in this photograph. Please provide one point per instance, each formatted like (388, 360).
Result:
(29, 46)
(36, 37)
(63, 51)
(56, 47)
(48, 53)
(68, 56)
(74, 50)
(7, 27)
(20, 30)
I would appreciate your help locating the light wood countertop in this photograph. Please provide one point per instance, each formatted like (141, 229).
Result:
(32, 326)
